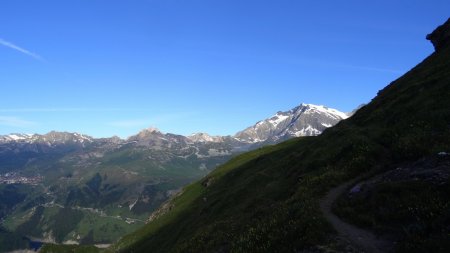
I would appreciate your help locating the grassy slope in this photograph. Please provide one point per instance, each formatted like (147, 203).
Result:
(52, 248)
(267, 200)
(10, 241)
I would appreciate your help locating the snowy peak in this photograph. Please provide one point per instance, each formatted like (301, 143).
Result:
(278, 118)
(15, 137)
(320, 109)
(52, 137)
(63, 137)
(303, 120)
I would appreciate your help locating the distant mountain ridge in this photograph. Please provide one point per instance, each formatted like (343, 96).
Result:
(303, 120)
(50, 138)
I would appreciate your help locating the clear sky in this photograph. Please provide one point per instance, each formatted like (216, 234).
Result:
(105, 67)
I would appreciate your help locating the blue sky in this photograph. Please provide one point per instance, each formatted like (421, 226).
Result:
(105, 67)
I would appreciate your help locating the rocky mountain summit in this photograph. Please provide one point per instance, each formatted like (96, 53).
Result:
(204, 137)
(14, 137)
(303, 120)
(50, 138)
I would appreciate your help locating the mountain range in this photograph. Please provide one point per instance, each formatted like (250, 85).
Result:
(303, 120)
(109, 186)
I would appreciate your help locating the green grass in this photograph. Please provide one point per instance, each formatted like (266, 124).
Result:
(417, 213)
(10, 241)
(52, 248)
(70, 224)
(267, 200)
(103, 229)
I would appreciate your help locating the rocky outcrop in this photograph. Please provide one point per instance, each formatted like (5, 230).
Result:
(204, 137)
(440, 37)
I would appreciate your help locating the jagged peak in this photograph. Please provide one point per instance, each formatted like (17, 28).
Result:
(150, 130)
(16, 137)
(303, 120)
(320, 108)
(200, 134)
(204, 137)
(56, 136)
(51, 137)
(147, 133)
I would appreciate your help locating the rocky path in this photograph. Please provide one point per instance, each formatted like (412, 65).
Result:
(361, 239)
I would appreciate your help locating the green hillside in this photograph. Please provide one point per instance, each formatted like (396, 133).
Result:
(267, 200)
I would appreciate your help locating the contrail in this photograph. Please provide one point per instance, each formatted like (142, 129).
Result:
(17, 48)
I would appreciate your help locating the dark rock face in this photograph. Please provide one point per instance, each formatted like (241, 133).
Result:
(440, 37)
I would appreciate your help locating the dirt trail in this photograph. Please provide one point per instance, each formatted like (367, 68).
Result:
(363, 240)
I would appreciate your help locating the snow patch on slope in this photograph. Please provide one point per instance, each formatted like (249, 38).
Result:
(326, 110)
(277, 119)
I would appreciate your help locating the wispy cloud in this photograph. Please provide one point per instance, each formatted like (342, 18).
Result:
(20, 49)
(15, 122)
(394, 71)
(311, 62)
(67, 109)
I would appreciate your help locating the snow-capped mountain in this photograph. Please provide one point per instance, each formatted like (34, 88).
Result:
(50, 138)
(15, 137)
(54, 137)
(303, 120)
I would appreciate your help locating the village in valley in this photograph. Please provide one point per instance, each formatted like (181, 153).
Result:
(16, 178)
